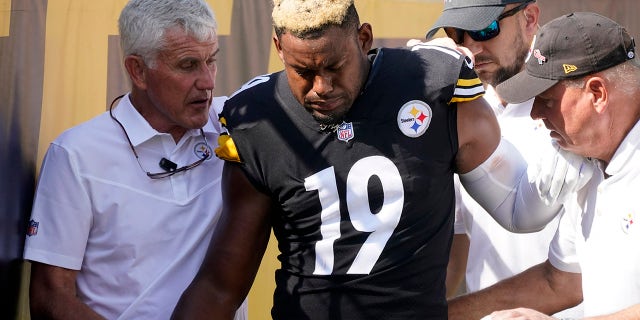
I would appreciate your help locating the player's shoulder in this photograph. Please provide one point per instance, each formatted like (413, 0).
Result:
(422, 53)
(257, 85)
(436, 51)
(431, 61)
(252, 102)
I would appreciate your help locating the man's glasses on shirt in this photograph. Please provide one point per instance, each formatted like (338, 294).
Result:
(491, 31)
(169, 167)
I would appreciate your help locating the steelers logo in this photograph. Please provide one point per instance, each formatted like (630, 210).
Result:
(202, 150)
(414, 118)
(627, 223)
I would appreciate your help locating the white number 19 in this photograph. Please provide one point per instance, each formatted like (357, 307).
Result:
(381, 225)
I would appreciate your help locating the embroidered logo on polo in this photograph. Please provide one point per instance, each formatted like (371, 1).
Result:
(202, 150)
(32, 229)
(627, 223)
(414, 118)
(345, 132)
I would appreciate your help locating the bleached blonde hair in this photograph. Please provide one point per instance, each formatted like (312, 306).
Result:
(305, 18)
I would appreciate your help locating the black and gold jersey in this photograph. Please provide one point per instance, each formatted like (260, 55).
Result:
(365, 212)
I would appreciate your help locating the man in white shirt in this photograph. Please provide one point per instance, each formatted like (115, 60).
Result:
(127, 202)
(585, 78)
(499, 35)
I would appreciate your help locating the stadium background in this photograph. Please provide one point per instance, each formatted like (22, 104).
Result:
(60, 65)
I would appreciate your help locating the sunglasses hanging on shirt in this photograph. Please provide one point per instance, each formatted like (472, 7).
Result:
(167, 165)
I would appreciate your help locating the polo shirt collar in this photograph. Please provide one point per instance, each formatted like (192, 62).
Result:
(625, 151)
(139, 130)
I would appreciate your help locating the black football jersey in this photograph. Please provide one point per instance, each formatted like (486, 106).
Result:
(365, 213)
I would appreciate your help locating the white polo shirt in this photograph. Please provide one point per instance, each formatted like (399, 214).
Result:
(137, 242)
(494, 252)
(599, 235)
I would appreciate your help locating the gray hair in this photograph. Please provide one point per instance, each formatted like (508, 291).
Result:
(624, 76)
(143, 24)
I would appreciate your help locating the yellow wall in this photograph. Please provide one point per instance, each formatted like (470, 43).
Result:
(5, 17)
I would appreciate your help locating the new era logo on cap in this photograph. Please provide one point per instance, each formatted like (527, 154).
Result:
(568, 68)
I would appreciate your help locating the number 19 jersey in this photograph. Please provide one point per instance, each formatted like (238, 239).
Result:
(364, 212)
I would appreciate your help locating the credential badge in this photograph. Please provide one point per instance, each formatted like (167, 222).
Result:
(414, 118)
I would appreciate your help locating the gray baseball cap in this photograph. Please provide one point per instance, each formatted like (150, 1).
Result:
(569, 47)
(469, 14)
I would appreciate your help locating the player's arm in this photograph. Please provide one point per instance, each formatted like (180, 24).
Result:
(494, 173)
(542, 287)
(52, 294)
(457, 266)
(234, 254)
(478, 134)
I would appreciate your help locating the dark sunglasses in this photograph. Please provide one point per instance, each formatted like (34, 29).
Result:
(491, 31)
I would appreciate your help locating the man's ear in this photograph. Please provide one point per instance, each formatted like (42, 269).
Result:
(596, 87)
(276, 43)
(137, 72)
(365, 36)
(531, 16)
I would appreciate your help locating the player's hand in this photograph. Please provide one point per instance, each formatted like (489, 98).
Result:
(443, 42)
(561, 173)
(519, 313)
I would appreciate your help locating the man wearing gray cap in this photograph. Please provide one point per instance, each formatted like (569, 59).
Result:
(499, 34)
(585, 78)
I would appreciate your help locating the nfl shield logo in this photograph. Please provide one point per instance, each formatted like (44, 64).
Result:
(32, 230)
(345, 131)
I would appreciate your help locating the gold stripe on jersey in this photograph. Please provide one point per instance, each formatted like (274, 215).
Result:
(467, 90)
(226, 149)
(454, 100)
(469, 82)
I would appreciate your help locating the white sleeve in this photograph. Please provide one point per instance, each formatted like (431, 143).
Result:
(502, 187)
(61, 214)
